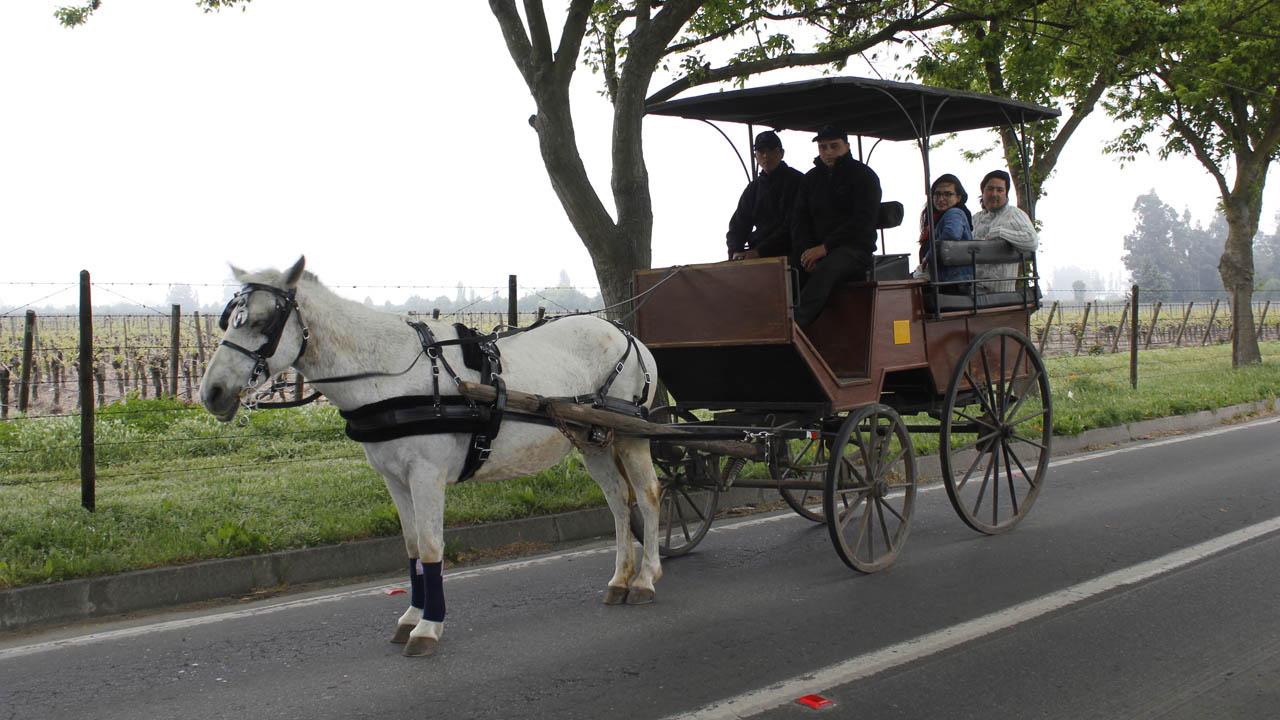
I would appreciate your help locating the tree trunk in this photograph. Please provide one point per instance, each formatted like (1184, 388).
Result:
(1236, 267)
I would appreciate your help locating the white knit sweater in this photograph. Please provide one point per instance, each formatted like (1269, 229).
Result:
(1014, 227)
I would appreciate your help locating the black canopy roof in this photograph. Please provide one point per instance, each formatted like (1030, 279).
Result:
(871, 108)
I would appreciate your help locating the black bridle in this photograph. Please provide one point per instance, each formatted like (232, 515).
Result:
(237, 312)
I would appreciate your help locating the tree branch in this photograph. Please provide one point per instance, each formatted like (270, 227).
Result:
(538, 33)
(575, 27)
(1079, 112)
(1201, 150)
(825, 57)
(514, 35)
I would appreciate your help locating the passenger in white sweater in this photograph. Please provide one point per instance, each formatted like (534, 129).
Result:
(999, 220)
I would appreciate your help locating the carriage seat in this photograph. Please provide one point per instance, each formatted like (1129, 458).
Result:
(980, 252)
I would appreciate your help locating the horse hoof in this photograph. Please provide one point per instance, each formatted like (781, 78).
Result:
(640, 596)
(402, 634)
(420, 646)
(615, 595)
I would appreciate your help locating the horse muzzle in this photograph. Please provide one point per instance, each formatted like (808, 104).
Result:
(221, 404)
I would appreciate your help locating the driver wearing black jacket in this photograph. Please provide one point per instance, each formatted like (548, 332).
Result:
(833, 231)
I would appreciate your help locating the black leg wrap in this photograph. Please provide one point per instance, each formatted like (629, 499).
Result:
(433, 581)
(417, 588)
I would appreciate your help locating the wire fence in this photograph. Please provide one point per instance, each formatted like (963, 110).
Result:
(164, 356)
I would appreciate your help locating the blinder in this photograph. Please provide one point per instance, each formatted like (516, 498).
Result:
(237, 311)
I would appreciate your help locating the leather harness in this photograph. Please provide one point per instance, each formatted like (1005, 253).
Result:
(427, 414)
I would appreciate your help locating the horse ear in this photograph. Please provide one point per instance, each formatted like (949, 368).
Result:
(294, 274)
(238, 274)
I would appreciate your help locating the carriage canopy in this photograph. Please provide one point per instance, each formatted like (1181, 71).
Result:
(871, 108)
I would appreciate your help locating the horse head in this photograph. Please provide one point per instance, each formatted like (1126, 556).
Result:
(263, 335)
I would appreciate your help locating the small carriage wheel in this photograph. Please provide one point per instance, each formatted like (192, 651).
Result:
(999, 418)
(690, 482)
(796, 459)
(870, 488)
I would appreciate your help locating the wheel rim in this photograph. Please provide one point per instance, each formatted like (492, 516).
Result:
(997, 431)
(810, 464)
(870, 489)
(690, 484)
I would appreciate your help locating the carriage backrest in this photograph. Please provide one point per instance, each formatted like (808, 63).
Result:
(889, 215)
(981, 252)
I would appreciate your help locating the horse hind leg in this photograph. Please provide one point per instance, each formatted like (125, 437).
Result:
(636, 466)
(600, 465)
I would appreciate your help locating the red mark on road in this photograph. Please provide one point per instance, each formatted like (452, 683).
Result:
(394, 591)
(814, 702)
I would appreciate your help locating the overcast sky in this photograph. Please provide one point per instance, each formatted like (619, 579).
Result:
(387, 140)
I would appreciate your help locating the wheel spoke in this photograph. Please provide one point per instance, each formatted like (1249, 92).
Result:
(965, 479)
(684, 526)
(849, 512)
(1030, 480)
(1013, 372)
(694, 505)
(976, 421)
(1019, 438)
(884, 527)
(1027, 418)
(990, 386)
(1008, 473)
(982, 490)
(1031, 382)
(982, 398)
(896, 457)
(995, 489)
(889, 507)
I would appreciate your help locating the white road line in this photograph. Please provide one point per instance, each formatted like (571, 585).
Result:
(166, 626)
(862, 666)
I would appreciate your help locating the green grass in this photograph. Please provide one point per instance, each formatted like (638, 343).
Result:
(176, 486)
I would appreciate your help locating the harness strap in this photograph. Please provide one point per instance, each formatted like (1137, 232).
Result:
(489, 417)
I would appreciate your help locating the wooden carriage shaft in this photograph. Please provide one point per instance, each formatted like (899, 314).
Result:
(572, 413)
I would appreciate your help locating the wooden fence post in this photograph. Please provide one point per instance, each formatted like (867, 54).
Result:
(4, 393)
(542, 312)
(1124, 317)
(1183, 326)
(1155, 315)
(435, 313)
(512, 315)
(1044, 336)
(175, 330)
(195, 317)
(88, 464)
(298, 382)
(24, 380)
(1133, 342)
(1209, 328)
(1262, 322)
(1084, 325)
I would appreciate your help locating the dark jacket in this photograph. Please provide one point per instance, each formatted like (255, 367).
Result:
(763, 219)
(836, 206)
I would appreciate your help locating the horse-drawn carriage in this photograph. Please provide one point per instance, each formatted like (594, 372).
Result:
(435, 403)
(826, 404)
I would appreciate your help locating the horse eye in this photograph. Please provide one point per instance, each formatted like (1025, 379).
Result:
(239, 318)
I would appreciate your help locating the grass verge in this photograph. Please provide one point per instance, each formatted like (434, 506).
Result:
(175, 486)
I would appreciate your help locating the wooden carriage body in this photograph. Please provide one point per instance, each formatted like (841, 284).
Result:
(724, 338)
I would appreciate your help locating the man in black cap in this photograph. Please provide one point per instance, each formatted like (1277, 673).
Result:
(761, 226)
(833, 231)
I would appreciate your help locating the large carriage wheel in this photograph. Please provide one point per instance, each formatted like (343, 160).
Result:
(804, 460)
(690, 481)
(870, 488)
(999, 418)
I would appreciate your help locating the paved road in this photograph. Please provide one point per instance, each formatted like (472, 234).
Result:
(1142, 585)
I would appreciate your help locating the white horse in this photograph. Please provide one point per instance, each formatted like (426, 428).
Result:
(325, 336)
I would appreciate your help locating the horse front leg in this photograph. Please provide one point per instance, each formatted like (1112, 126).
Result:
(600, 464)
(403, 500)
(636, 466)
(426, 484)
